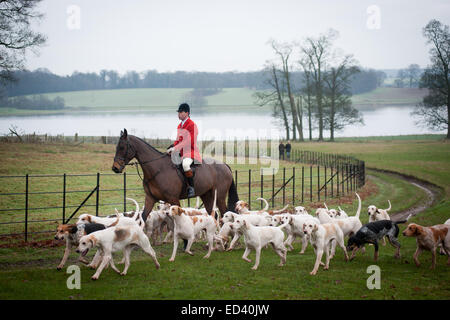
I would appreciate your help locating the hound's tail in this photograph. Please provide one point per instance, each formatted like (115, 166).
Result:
(389, 206)
(281, 210)
(135, 203)
(137, 216)
(359, 206)
(266, 203)
(214, 210)
(114, 223)
(326, 206)
(403, 221)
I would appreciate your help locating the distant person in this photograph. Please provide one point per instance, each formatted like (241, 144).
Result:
(288, 150)
(281, 149)
(186, 145)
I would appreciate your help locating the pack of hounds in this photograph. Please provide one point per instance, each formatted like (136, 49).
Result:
(325, 230)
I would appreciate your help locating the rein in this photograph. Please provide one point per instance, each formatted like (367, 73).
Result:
(137, 163)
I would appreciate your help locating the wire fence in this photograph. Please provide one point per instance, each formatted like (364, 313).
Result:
(31, 204)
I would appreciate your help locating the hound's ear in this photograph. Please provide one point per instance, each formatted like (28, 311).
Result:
(93, 240)
(74, 229)
(315, 227)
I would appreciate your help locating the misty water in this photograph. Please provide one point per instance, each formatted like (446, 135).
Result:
(384, 121)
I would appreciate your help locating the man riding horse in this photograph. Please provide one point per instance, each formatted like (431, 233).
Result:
(186, 145)
(162, 179)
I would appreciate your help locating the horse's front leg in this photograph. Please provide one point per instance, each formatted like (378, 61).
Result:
(149, 203)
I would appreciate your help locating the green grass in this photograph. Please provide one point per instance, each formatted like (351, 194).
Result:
(30, 272)
(226, 276)
(390, 96)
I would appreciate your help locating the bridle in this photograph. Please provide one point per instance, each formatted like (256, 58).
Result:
(124, 159)
(136, 163)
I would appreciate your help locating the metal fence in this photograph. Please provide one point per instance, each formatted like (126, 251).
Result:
(31, 203)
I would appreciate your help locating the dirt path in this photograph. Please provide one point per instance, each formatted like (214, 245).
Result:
(434, 194)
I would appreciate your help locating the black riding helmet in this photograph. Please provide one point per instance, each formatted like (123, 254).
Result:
(184, 107)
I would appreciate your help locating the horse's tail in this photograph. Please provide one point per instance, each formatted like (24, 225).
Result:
(232, 193)
(232, 197)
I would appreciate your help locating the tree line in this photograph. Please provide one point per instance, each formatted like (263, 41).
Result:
(43, 81)
(408, 77)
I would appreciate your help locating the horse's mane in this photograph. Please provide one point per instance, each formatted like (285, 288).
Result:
(151, 147)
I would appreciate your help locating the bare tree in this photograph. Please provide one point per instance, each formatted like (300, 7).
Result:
(284, 51)
(434, 111)
(317, 52)
(339, 111)
(275, 96)
(16, 35)
(308, 91)
(413, 74)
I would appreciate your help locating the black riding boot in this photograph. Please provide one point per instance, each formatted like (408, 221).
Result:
(190, 180)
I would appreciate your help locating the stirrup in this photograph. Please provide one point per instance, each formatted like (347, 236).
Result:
(190, 192)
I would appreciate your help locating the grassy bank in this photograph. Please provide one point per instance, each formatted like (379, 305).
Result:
(30, 272)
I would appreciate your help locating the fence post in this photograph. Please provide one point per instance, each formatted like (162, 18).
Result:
(124, 192)
(262, 187)
(337, 182)
(303, 182)
(284, 186)
(64, 199)
(351, 177)
(318, 182)
(26, 208)
(293, 186)
(332, 184)
(273, 187)
(249, 189)
(310, 183)
(98, 194)
(347, 174)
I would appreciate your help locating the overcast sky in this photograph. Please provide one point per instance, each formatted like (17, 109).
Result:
(225, 35)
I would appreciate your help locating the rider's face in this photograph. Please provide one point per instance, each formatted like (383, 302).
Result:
(182, 115)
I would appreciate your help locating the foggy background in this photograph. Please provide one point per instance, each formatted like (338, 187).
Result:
(211, 35)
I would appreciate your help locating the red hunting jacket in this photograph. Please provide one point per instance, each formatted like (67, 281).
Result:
(186, 142)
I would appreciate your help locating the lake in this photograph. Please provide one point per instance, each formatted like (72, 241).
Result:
(386, 121)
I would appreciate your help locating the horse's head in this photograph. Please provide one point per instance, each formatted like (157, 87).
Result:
(124, 153)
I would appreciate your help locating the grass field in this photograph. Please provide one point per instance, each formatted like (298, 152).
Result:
(29, 272)
(390, 96)
(227, 100)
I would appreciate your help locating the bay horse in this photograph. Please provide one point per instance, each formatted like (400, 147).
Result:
(163, 181)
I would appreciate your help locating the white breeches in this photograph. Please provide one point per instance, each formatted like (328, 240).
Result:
(187, 164)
